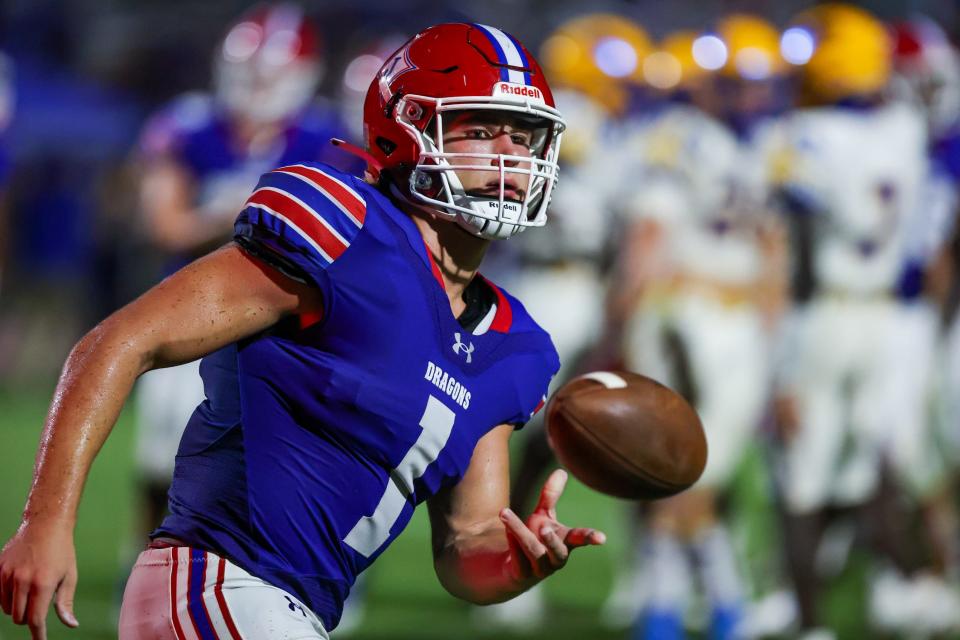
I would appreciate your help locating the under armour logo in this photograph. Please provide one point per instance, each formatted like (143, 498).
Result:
(465, 348)
(293, 606)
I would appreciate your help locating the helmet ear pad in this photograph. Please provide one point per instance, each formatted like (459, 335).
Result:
(425, 182)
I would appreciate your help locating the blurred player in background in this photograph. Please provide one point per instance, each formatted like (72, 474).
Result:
(700, 290)
(927, 76)
(930, 65)
(357, 365)
(595, 61)
(201, 156)
(852, 170)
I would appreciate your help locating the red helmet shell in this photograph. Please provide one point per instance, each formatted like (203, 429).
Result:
(281, 31)
(920, 44)
(445, 61)
(269, 64)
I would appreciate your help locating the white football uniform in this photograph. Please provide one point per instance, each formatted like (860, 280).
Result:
(697, 184)
(859, 174)
(166, 398)
(914, 448)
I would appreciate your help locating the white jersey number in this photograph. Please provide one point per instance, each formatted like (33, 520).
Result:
(372, 531)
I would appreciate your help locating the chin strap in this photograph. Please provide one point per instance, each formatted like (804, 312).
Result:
(373, 166)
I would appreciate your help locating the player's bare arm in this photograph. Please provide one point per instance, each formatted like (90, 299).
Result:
(483, 551)
(167, 197)
(211, 303)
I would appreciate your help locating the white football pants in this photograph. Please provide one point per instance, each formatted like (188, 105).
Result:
(179, 593)
(841, 381)
(727, 352)
(165, 400)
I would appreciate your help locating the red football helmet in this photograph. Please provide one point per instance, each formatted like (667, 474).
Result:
(268, 66)
(457, 67)
(927, 70)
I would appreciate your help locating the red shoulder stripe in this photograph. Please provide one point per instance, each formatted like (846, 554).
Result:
(348, 200)
(302, 218)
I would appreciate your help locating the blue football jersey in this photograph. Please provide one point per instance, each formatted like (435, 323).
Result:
(319, 437)
(196, 134)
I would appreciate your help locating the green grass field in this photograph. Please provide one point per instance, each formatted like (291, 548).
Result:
(406, 601)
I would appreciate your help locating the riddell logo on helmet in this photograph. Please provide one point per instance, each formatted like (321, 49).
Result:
(517, 90)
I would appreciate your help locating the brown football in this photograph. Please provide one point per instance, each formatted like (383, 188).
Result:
(626, 435)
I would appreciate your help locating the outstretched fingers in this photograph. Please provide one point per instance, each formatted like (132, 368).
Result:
(527, 539)
(534, 553)
(552, 490)
(546, 547)
(556, 549)
(583, 536)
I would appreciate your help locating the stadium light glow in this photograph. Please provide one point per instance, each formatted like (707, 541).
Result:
(361, 71)
(662, 70)
(281, 47)
(709, 52)
(797, 45)
(242, 42)
(753, 63)
(615, 57)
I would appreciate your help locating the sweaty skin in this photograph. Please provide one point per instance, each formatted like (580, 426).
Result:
(211, 303)
(483, 552)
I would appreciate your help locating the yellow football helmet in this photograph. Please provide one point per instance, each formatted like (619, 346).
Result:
(600, 55)
(752, 47)
(851, 52)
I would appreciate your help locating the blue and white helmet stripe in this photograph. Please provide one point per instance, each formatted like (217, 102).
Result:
(509, 52)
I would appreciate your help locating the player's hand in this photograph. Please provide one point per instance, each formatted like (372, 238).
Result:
(38, 562)
(542, 545)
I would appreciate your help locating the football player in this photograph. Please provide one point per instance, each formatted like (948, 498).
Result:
(356, 365)
(699, 293)
(927, 75)
(199, 158)
(852, 172)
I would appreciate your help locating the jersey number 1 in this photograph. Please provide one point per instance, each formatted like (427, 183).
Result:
(372, 531)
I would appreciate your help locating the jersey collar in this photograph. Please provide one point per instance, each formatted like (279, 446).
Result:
(501, 317)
